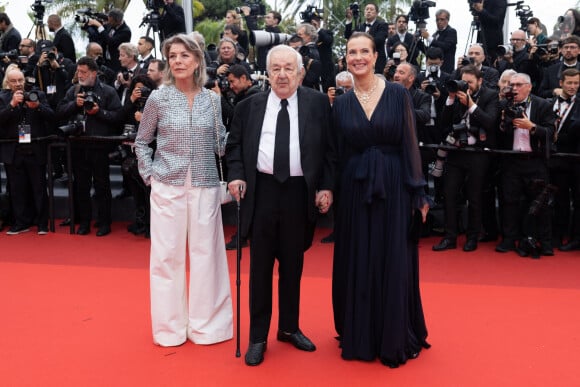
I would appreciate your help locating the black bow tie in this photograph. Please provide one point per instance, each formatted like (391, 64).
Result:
(367, 25)
(562, 99)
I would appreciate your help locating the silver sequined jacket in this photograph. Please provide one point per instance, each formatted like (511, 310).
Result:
(185, 138)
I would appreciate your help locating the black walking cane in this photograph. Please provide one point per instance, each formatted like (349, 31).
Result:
(238, 263)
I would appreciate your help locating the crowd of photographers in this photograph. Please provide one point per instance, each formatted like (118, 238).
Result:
(498, 125)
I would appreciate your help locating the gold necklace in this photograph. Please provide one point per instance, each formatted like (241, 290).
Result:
(364, 98)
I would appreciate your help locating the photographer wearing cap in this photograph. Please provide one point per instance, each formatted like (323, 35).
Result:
(95, 110)
(25, 115)
(472, 111)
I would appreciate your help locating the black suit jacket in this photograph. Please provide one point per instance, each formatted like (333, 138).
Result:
(111, 44)
(379, 31)
(38, 119)
(65, 44)
(543, 116)
(446, 40)
(324, 44)
(317, 150)
(485, 116)
(409, 41)
(568, 137)
(491, 20)
(551, 79)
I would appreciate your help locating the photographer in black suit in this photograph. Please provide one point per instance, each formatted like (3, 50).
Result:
(570, 49)
(490, 15)
(62, 39)
(528, 127)
(111, 36)
(172, 20)
(271, 21)
(375, 27)
(324, 45)
(445, 38)
(95, 110)
(564, 173)
(24, 116)
(472, 111)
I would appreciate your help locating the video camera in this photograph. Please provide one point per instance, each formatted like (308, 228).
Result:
(154, 4)
(310, 13)
(419, 12)
(523, 12)
(38, 8)
(256, 8)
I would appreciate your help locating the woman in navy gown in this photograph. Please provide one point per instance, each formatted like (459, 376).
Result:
(376, 299)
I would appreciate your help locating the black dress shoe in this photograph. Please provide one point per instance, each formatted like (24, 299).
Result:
(546, 249)
(83, 229)
(470, 245)
(255, 354)
(445, 244)
(572, 245)
(104, 230)
(505, 246)
(298, 340)
(65, 222)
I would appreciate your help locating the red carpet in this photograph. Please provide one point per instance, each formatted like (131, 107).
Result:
(75, 312)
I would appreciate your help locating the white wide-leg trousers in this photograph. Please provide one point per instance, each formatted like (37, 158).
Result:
(187, 221)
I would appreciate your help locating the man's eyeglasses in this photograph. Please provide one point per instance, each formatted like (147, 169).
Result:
(518, 84)
(517, 40)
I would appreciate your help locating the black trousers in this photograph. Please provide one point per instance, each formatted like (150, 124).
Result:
(28, 189)
(464, 172)
(565, 175)
(278, 232)
(520, 179)
(91, 167)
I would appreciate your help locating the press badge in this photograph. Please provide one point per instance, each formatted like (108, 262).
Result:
(51, 89)
(23, 133)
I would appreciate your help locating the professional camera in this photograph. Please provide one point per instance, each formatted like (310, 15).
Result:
(256, 8)
(73, 128)
(547, 49)
(119, 154)
(511, 109)
(339, 90)
(151, 18)
(31, 96)
(91, 99)
(126, 75)
(455, 85)
(355, 9)
(436, 168)
(310, 13)
(419, 12)
(82, 16)
(504, 49)
(467, 60)
(12, 54)
(458, 137)
(145, 93)
(433, 75)
(213, 77)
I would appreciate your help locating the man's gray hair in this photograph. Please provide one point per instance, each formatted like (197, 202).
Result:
(283, 47)
(344, 76)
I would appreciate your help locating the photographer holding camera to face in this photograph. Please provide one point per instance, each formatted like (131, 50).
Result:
(251, 10)
(111, 35)
(25, 115)
(527, 126)
(489, 15)
(472, 111)
(94, 110)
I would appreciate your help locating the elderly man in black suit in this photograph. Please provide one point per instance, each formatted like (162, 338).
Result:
(25, 160)
(111, 36)
(375, 27)
(281, 165)
(525, 173)
(444, 38)
(62, 39)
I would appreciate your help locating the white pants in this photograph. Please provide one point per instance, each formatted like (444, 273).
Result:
(188, 219)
